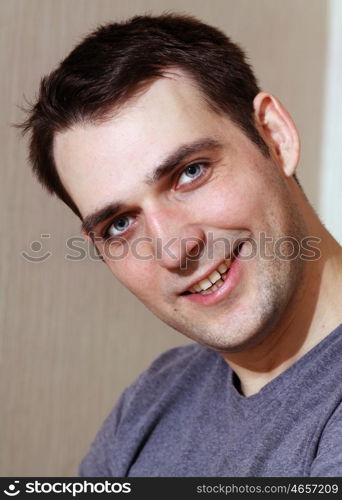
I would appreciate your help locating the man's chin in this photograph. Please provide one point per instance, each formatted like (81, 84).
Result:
(234, 347)
(237, 333)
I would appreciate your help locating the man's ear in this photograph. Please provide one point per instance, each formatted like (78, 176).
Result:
(278, 131)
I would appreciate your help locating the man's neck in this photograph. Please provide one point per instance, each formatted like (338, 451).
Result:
(310, 317)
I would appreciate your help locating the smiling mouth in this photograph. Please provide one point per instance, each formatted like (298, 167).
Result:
(216, 278)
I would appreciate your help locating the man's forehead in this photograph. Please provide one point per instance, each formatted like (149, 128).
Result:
(93, 161)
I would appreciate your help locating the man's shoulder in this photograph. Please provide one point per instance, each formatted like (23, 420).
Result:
(177, 357)
(174, 366)
(143, 404)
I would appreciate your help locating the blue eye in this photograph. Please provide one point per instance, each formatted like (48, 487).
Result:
(191, 172)
(119, 225)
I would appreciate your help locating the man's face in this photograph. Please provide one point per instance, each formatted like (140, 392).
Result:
(181, 178)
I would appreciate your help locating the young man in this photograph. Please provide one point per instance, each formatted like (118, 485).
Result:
(155, 133)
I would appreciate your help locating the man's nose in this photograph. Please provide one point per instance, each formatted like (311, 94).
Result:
(175, 239)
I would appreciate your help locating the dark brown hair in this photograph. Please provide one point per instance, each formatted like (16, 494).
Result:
(119, 59)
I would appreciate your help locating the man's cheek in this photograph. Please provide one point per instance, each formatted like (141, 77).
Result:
(230, 210)
(136, 276)
(233, 200)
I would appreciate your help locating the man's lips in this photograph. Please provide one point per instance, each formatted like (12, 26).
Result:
(205, 276)
(216, 294)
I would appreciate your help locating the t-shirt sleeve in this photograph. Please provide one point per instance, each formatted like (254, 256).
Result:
(98, 461)
(328, 461)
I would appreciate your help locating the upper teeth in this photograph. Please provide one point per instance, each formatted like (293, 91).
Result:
(213, 279)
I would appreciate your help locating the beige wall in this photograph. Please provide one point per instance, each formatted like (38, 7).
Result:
(71, 337)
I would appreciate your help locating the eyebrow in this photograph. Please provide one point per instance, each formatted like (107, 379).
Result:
(178, 156)
(165, 168)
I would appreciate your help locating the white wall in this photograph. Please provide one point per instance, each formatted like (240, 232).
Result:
(330, 194)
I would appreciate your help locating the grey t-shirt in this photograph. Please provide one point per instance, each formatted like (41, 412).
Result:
(184, 416)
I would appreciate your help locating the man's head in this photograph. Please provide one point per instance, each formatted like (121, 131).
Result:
(156, 135)
(119, 60)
